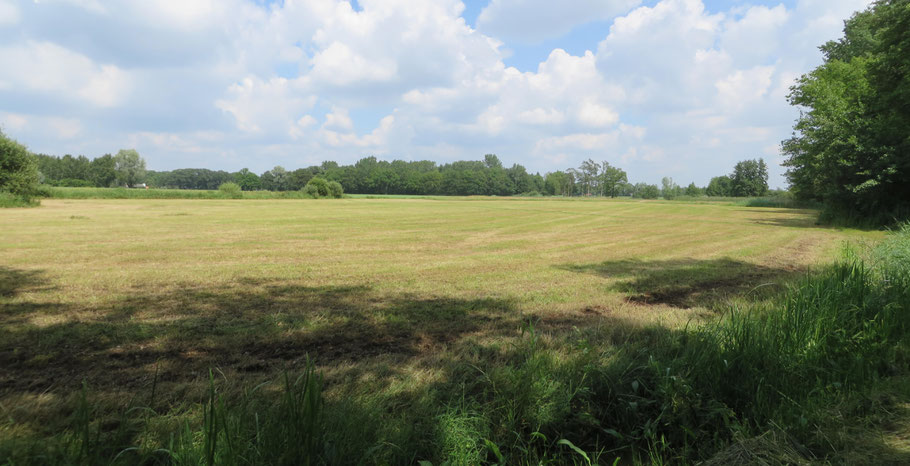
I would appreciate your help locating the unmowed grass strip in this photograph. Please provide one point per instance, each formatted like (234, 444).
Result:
(136, 193)
(12, 200)
(771, 382)
(783, 201)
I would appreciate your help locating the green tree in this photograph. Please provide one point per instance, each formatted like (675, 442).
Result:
(335, 190)
(719, 186)
(693, 190)
(247, 180)
(102, 172)
(129, 167)
(646, 191)
(851, 144)
(669, 189)
(318, 187)
(280, 178)
(749, 178)
(18, 169)
(558, 183)
(230, 190)
(492, 161)
(611, 179)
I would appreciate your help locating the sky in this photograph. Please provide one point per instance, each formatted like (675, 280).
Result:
(679, 88)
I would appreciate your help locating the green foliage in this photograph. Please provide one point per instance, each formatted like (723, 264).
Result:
(247, 180)
(13, 200)
(335, 190)
(749, 178)
(75, 183)
(190, 178)
(317, 187)
(559, 183)
(276, 179)
(851, 142)
(102, 171)
(646, 191)
(694, 191)
(129, 168)
(611, 179)
(460, 434)
(18, 172)
(123, 193)
(231, 190)
(720, 186)
(669, 190)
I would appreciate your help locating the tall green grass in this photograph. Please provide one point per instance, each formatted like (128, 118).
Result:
(56, 192)
(781, 201)
(763, 376)
(12, 200)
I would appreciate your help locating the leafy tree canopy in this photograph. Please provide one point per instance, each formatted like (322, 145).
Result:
(851, 145)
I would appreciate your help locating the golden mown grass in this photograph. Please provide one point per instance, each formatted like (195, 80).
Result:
(382, 293)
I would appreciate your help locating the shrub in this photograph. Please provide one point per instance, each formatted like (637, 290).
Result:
(311, 190)
(318, 187)
(335, 190)
(75, 183)
(650, 191)
(18, 170)
(13, 200)
(230, 190)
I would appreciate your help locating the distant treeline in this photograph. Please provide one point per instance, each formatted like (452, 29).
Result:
(372, 176)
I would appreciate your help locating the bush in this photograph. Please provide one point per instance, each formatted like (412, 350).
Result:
(335, 189)
(311, 190)
(13, 200)
(75, 183)
(650, 191)
(318, 187)
(230, 190)
(18, 170)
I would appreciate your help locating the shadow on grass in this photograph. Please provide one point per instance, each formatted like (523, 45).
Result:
(609, 387)
(686, 283)
(254, 326)
(14, 281)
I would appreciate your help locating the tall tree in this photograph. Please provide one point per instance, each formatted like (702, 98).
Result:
(102, 171)
(719, 186)
(589, 170)
(749, 178)
(18, 169)
(669, 189)
(611, 178)
(851, 144)
(247, 180)
(129, 167)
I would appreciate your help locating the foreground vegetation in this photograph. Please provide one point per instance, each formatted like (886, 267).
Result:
(405, 330)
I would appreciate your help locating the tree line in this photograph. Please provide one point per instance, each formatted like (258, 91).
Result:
(370, 175)
(850, 148)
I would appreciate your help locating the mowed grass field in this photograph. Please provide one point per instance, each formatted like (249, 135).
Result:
(141, 298)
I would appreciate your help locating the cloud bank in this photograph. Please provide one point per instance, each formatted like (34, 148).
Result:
(668, 89)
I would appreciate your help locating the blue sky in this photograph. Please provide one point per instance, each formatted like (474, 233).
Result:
(680, 88)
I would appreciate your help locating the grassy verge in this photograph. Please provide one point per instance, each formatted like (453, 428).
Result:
(59, 192)
(11, 200)
(816, 374)
(56, 192)
(773, 201)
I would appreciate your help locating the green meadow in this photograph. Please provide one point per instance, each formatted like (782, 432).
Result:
(444, 331)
